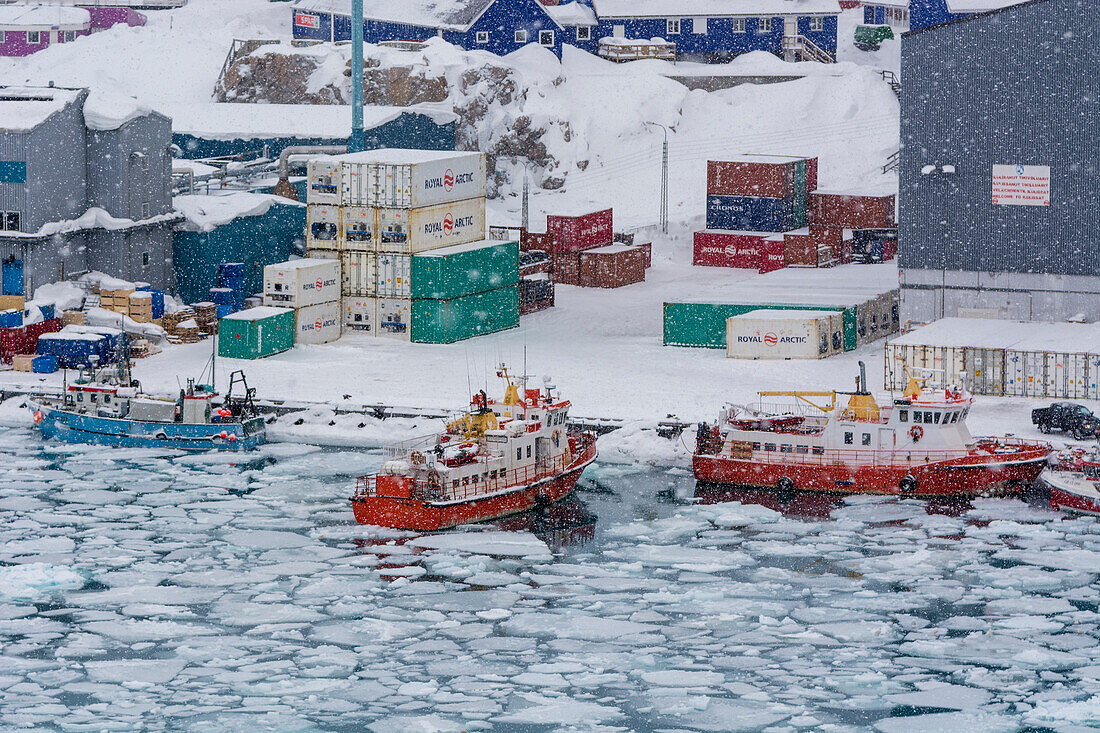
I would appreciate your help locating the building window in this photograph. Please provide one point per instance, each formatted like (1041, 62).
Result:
(765, 26)
(738, 25)
(699, 26)
(483, 36)
(11, 221)
(674, 27)
(144, 259)
(849, 439)
(521, 36)
(546, 38)
(70, 36)
(33, 37)
(1, 38)
(817, 24)
(584, 33)
(144, 209)
(867, 439)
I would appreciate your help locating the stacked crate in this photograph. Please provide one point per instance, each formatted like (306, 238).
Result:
(116, 300)
(311, 287)
(751, 202)
(377, 212)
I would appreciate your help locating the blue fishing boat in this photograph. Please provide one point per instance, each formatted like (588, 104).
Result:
(106, 407)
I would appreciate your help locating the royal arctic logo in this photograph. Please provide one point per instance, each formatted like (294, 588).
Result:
(771, 339)
(448, 224)
(448, 180)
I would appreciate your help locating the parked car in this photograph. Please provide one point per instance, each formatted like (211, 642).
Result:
(870, 37)
(1067, 417)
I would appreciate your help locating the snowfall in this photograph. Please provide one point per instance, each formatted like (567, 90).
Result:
(154, 590)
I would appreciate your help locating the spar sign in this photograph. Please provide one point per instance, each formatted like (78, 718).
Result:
(306, 20)
(1021, 185)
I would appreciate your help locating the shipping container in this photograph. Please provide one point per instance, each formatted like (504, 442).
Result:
(753, 175)
(11, 318)
(532, 240)
(565, 268)
(323, 181)
(535, 294)
(256, 333)
(753, 213)
(464, 269)
(317, 324)
(448, 321)
(393, 275)
(45, 364)
(704, 324)
(611, 266)
(850, 211)
(13, 341)
(394, 318)
(740, 249)
(772, 255)
(358, 228)
(411, 231)
(410, 179)
(359, 274)
(322, 226)
(299, 283)
(576, 232)
(783, 334)
(360, 314)
(74, 350)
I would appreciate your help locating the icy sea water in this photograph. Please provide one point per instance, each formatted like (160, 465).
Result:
(147, 591)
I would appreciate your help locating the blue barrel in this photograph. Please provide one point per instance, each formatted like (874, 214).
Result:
(231, 270)
(158, 303)
(751, 213)
(223, 310)
(222, 296)
(11, 319)
(142, 287)
(45, 364)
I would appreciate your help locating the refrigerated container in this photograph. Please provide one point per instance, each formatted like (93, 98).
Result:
(410, 179)
(300, 283)
(411, 231)
(360, 314)
(702, 324)
(464, 269)
(782, 334)
(323, 181)
(359, 274)
(358, 227)
(256, 333)
(322, 226)
(393, 275)
(317, 324)
(394, 318)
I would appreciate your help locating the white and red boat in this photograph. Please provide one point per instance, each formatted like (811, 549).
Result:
(917, 446)
(497, 459)
(1074, 482)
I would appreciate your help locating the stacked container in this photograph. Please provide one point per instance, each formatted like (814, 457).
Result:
(749, 201)
(311, 287)
(567, 235)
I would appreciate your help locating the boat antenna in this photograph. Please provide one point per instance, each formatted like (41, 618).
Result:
(861, 382)
(214, 361)
(469, 382)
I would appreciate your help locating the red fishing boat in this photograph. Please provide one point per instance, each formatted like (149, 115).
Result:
(917, 446)
(1074, 482)
(497, 459)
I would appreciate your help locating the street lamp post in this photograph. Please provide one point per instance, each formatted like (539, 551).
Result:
(358, 136)
(664, 177)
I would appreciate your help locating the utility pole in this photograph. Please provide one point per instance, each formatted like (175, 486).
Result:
(357, 135)
(664, 177)
(526, 196)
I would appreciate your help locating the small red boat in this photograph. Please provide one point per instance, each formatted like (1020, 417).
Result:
(1074, 482)
(498, 459)
(917, 446)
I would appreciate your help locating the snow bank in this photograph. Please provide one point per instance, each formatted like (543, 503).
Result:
(206, 213)
(63, 295)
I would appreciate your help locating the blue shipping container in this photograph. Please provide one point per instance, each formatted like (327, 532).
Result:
(752, 213)
(232, 283)
(48, 311)
(158, 303)
(11, 319)
(45, 364)
(222, 296)
(223, 309)
(73, 353)
(231, 269)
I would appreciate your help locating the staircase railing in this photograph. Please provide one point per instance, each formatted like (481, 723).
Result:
(806, 49)
(892, 162)
(238, 49)
(892, 79)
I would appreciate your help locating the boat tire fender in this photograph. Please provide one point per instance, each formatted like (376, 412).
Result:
(161, 436)
(784, 490)
(908, 483)
(916, 433)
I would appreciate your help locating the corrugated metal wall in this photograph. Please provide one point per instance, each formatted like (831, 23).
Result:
(56, 169)
(1013, 87)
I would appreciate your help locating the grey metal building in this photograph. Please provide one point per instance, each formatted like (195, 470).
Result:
(1000, 168)
(82, 191)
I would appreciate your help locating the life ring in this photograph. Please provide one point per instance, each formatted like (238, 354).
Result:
(37, 417)
(416, 457)
(916, 433)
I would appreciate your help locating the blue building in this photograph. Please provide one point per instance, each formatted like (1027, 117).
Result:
(707, 30)
(915, 14)
(499, 26)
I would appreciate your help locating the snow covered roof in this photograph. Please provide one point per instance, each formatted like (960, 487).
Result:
(93, 218)
(712, 8)
(25, 108)
(468, 247)
(226, 121)
(206, 213)
(1070, 338)
(402, 156)
(33, 17)
(256, 314)
(776, 314)
(450, 14)
(980, 6)
(571, 14)
(110, 110)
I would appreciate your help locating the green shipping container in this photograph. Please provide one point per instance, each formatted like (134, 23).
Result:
(704, 324)
(256, 333)
(464, 269)
(800, 219)
(447, 321)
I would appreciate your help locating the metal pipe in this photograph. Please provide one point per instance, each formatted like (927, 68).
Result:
(358, 136)
(283, 187)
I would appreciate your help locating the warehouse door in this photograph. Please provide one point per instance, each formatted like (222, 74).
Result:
(12, 277)
(790, 27)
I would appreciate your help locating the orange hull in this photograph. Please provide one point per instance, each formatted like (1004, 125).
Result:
(418, 514)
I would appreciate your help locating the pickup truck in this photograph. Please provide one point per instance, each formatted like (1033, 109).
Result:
(1067, 417)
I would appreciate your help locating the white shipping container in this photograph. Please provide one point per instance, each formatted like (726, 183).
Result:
(322, 226)
(361, 314)
(394, 274)
(410, 179)
(395, 318)
(317, 324)
(780, 334)
(359, 274)
(323, 254)
(411, 231)
(358, 228)
(299, 283)
(323, 184)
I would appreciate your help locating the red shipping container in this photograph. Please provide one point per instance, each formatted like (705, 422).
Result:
(799, 249)
(585, 231)
(847, 211)
(566, 266)
(647, 247)
(811, 174)
(34, 330)
(612, 266)
(715, 248)
(889, 249)
(751, 176)
(14, 341)
(772, 255)
(530, 240)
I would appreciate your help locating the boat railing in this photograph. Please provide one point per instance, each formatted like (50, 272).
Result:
(977, 453)
(399, 451)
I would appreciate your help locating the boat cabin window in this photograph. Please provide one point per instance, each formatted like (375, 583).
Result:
(455, 484)
(867, 439)
(802, 449)
(786, 448)
(106, 399)
(819, 450)
(79, 396)
(474, 480)
(756, 446)
(769, 446)
(849, 439)
(519, 454)
(937, 418)
(465, 480)
(528, 451)
(903, 415)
